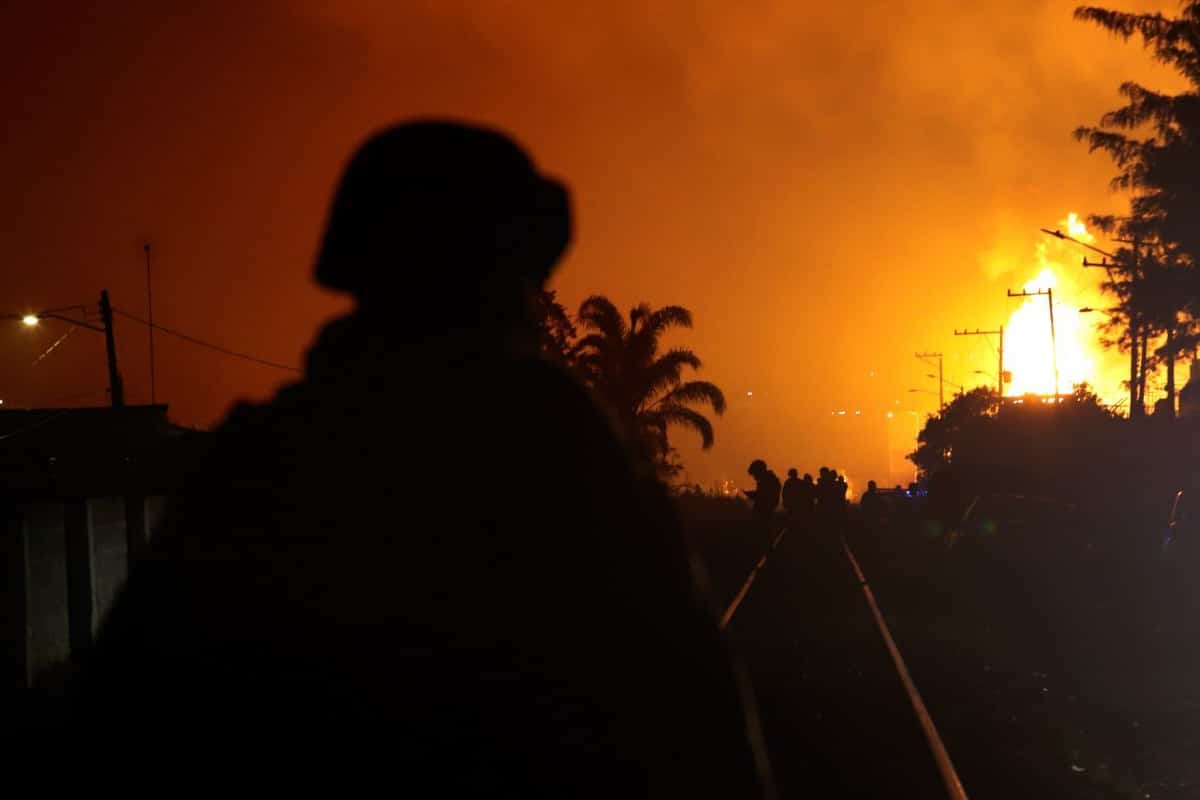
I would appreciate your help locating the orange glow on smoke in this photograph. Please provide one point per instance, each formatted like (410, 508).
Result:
(1027, 341)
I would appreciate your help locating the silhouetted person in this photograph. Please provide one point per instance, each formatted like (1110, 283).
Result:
(793, 494)
(809, 495)
(540, 637)
(870, 505)
(765, 494)
(826, 480)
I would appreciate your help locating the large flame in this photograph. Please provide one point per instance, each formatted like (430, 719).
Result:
(1027, 340)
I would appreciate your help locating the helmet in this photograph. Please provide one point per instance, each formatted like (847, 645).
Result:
(432, 206)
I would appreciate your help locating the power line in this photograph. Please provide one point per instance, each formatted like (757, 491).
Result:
(218, 348)
(990, 343)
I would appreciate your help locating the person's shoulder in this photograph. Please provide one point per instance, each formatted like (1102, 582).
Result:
(244, 423)
(553, 412)
(250, 434)
(551, 381)
(553, 394)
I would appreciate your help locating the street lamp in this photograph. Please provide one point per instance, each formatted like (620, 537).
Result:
(1056, 233)
(116, 386)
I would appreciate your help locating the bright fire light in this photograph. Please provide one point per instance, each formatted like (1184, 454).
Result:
(1027, 350)
(30, 319)
(1076, 228)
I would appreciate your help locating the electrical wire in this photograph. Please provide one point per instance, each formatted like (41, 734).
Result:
(201, 343)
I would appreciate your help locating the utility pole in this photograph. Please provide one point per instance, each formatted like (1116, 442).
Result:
(150, 318)
(941, 392)
(1000, 351)
(1137, 333)
(1049, 293)
(1053, 341)
(116, 388)
(1137, 366)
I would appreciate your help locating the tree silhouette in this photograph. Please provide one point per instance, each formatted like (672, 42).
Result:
(978, 428)
(1163, 169)
(944, 431)
(556, 333)
(1156, 303)
(643, 388)
(1154, 280)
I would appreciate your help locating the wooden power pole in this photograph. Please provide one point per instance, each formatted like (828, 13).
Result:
(116, 387)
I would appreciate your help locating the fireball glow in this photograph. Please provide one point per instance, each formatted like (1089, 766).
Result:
(1027, 349)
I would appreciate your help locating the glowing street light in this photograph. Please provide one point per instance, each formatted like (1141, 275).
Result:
(116, 387)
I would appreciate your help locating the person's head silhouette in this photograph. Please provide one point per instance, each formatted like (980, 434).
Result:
(793, 472)
(431, 212)
(758, 468)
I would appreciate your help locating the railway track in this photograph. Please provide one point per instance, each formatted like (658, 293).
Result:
(948, 773)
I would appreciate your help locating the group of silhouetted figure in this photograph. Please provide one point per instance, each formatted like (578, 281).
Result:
(805, 501)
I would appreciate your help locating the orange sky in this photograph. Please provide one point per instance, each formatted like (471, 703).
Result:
(828, 189)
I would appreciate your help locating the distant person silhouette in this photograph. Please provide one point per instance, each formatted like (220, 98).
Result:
(871, 505)
(810, 494)
(540, 636)
(793, 494)
(825, 487)
(824, 476)
(765, 494)
(831, 499)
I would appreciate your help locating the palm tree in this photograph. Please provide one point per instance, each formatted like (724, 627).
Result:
(644, 389)
(556, 334)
